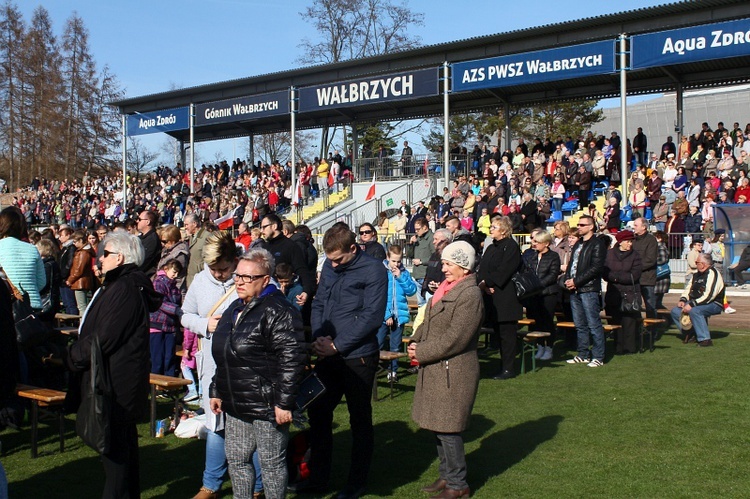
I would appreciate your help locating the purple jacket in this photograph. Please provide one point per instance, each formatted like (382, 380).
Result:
(167, 318)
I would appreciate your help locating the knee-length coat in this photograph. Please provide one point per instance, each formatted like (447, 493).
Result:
(447, 354)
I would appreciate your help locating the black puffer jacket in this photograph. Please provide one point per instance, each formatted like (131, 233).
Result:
(588, 278)
(546, 268)
(259, 349)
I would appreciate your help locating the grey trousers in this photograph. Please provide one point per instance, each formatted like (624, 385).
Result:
(242, 438)
(452, 467)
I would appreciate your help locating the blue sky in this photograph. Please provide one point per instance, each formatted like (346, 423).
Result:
(154, 45)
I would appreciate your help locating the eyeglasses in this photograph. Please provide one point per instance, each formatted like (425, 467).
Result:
(106, 253)
(363, 232)
(494, 227)
(264, 226)
(142, 219)
(245, 279)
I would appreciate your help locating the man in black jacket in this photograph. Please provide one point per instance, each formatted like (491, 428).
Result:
(147, 221)
(647, 247)
(284, 250)
(583, 280)
(66, 262)
(347, 313)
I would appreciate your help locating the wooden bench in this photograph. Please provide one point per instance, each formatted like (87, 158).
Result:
(169, 385)
(48, 401)
(386, 358)
(68, 331)
(529, 341)
(70, 319)
(487, 331)
(647, 328)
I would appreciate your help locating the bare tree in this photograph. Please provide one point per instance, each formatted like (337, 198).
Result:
(351, 29)
(139, 157)
(278, 146)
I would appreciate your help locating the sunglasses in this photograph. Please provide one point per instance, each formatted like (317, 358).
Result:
(106, 253)
(363, 232)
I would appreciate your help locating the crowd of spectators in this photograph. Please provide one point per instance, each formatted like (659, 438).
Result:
(249, 190)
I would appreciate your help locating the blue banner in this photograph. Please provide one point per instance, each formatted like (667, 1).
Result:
(386, 88)
(697, 43)
(242, 108)
(158, 121)
(535, 67)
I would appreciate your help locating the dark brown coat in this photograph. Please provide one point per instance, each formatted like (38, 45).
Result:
(81, 274)
(447, 354)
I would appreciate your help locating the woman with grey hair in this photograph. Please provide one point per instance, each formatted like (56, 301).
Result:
(119, 315)
(259, 350)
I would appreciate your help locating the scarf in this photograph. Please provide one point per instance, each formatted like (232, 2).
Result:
(444, 288)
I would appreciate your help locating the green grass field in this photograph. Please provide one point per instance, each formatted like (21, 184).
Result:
(672, 423)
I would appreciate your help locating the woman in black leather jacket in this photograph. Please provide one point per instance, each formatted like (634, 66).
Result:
(541, 308)
(260, 356)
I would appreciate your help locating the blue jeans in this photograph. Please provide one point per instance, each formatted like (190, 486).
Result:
(396, 335)
(649, 298)
(420, 299)
(698, 316)
(69, 300)
(216, 461)
(557, 204)
(163, 359)
(585, 308)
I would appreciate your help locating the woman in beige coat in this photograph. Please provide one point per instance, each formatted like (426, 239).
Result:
(445, 346)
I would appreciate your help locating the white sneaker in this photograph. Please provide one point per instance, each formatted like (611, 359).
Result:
(595, 363)
(576, 360)
(729, 310)
(744, 286)
(392, 377)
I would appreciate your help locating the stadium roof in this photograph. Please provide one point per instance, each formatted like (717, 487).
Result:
(712, 73)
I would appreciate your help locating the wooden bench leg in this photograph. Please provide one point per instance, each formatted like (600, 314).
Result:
(61, 422)
(153, 411)
(34, 427)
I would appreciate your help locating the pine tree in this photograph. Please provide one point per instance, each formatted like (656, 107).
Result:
(12, 29)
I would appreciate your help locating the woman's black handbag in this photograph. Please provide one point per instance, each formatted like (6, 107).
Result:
(526, 281)
(93, 419)
(631, 302)
(30, 330)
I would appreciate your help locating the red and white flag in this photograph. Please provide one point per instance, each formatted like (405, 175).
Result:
(296, 194)
(371, 191)
(227, 221)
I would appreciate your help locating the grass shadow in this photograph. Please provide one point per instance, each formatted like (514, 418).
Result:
(503, 449)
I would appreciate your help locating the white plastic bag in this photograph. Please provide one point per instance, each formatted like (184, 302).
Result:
(192, 428)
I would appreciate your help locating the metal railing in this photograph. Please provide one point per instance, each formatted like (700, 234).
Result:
(397, 167)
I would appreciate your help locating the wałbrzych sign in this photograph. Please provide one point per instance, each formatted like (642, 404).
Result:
(158, 121)
(377, 89)
(246, 108)
(555, 64)
(697, 43)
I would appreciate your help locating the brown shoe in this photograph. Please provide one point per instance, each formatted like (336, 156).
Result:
(448, 493)
(205, 493)
(435, 486)
(706, 343)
